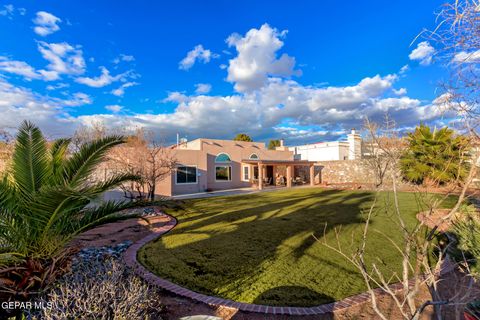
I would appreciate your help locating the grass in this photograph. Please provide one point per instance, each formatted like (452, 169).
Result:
(259, 248)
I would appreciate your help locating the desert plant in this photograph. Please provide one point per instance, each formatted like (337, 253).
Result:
(101, 291)
(435, 157)
(46, 198)
(242, 137)
(272, 144)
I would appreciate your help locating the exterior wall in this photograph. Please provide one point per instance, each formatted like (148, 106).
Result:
(325, 151)
(204, 159)
(350, 171)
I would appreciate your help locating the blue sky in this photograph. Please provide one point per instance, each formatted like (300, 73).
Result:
(303, 71)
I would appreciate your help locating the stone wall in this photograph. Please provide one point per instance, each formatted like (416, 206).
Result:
(346, 171)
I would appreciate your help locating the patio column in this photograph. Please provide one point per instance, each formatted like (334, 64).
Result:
(312, 175)
(260, 176)
(289, 176)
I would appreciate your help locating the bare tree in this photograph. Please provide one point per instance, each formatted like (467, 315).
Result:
(418, 270)
(144, 156)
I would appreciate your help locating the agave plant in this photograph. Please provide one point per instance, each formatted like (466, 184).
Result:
(46, 198)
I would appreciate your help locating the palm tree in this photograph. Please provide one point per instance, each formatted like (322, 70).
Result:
(434, 157)
(46, 198)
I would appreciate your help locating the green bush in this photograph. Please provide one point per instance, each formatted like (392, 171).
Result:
(46, 198)
(435, 157)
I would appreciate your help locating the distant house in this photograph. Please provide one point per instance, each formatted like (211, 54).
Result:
(351, 149)
(209, 164)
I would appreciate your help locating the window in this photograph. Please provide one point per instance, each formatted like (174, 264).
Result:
(253, 156)
(246, 173)
(255, 172)
(223, 173)
(223, 157)
(186, 174)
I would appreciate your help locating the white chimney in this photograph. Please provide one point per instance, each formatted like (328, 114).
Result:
(354, 145)
(282, 142)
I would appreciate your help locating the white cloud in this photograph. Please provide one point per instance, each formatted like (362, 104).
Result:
(78, 99)
(115, 108)
(18, 67)
(24, 69)
(57, 86)
(404, 69)
(422, 53)
(175, 96)
(63, 58)
(46, 23)
(400, 92)
(467, 57)
(123, 57)
(257, 58)
(203, 88)
(119, 92)
(102, 80)
(197, 54)
(7, 11)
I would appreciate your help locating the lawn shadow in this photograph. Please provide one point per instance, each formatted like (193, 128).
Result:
(234, 260)
(300, 296)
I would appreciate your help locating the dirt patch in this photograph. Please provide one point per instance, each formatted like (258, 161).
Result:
(116, 232)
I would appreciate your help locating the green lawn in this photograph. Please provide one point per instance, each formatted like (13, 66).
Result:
(259, 248)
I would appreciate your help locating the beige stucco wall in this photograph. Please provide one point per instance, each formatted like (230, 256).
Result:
(204, 160)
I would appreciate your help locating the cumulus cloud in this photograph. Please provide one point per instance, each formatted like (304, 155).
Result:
(203, 88)
(257, 58)
(119, 92)
(123, 57)
(46, 23)
(400, 92)
(115, 108)
(63, 59)
(8, 11)
(18, 67)
(104, 79)
(197, 54)
(422, 53)
(467, 57)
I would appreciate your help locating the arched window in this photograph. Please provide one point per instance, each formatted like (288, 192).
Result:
(253, 156)
(223, 157)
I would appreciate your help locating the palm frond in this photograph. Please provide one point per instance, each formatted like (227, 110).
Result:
(58, 153)
(83, 163)
(30, 159)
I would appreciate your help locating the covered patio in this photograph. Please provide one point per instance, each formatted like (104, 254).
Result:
(269, 172)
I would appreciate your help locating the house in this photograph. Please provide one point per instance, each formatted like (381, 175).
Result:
(351, 149)
(209, 164)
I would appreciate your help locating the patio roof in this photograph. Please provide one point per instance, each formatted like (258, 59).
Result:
(279, 162)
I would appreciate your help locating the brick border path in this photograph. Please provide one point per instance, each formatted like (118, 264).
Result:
(130, 258)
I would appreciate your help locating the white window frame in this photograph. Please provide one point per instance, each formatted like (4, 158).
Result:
(220, 165)
(243, 172)
(257, 158)
(186, 183)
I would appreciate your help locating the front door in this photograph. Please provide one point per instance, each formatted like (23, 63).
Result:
(269, 174)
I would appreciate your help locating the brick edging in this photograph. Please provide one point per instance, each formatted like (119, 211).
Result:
(130, 258)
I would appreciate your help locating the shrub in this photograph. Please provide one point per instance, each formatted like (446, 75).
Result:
(434, 157)
(101, 291)
(46, 198)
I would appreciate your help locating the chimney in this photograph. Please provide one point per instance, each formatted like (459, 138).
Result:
(354, 145)
(282, 142)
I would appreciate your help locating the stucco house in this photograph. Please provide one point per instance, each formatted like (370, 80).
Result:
(209, 164)
(351, 149)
